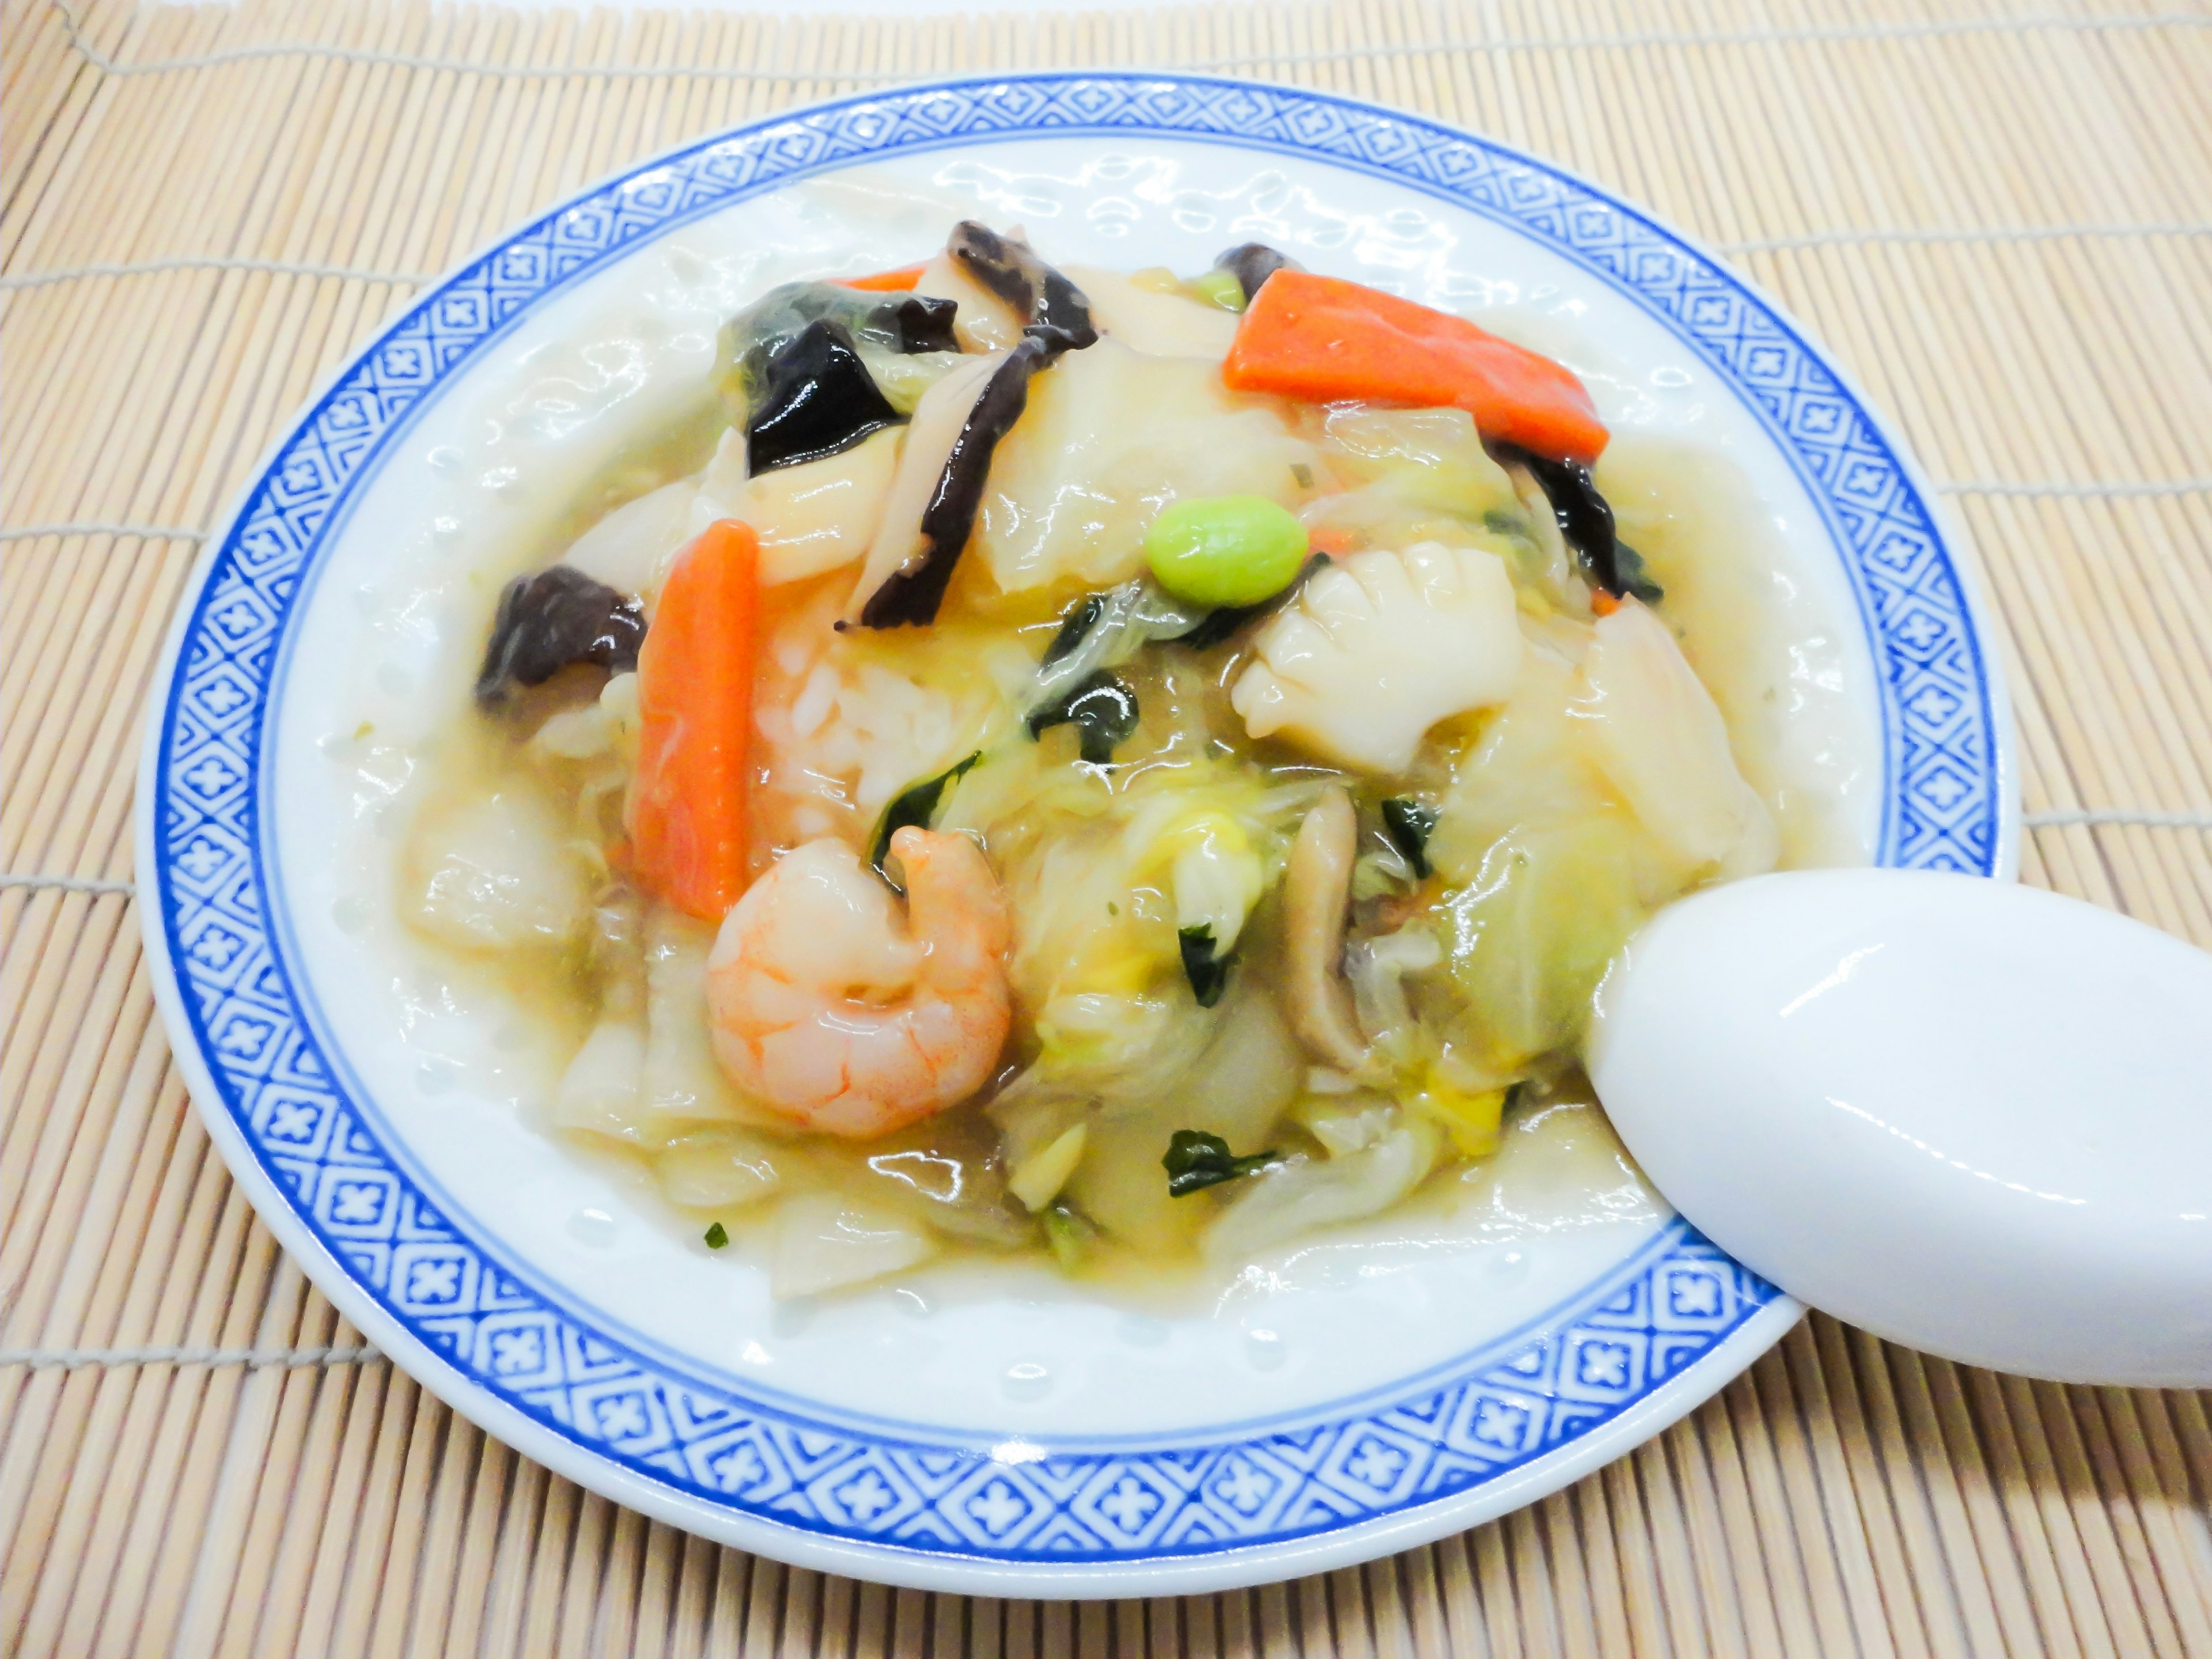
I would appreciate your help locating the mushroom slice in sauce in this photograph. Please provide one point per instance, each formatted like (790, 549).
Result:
(900, 323)
(940, 487)
(1585, 520)
(1231, 619)
(816, 400)
(1317, 888)
(1012, 270)
(1251, 264)
(553, 619)
(939, 420)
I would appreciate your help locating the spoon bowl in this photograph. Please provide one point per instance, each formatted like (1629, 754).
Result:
(1970, 1116)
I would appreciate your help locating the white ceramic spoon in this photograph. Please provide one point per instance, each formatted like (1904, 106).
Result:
(1970, 1116)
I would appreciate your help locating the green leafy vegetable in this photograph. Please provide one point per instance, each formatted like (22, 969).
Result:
(1100, 709)
(1078, 622)
(914, 806)
(1374, 876)
(1220, 288)
(1207, 972)
(1408, 824)
(1251, 264)
(1635, 575)
(1196, 1160)
(717, 1235)
(1070, 1235)
(1543, 910)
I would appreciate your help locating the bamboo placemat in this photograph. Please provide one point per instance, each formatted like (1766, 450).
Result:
(1997, 216)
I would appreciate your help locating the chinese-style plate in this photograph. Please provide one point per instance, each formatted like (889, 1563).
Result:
(1003, 1437)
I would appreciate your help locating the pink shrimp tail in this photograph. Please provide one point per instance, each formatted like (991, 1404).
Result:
(954, 903)
(793, 1039)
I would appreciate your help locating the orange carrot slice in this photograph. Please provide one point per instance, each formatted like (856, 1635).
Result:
(686, 813)
(1324, 340)
(886, 281)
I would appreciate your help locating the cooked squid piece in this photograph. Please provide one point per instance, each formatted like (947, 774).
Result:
(1378, 649)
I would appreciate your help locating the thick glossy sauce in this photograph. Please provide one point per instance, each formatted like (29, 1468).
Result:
(1050, 825)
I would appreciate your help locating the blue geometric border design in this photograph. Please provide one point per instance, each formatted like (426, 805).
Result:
(1581, 1366)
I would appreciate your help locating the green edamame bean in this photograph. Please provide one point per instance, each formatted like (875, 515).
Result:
(1225, 550)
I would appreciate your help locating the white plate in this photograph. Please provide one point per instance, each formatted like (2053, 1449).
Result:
(1005, 1438)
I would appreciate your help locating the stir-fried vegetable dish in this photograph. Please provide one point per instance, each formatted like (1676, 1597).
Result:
(1127, 767)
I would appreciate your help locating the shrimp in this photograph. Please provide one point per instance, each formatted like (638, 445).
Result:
(827, 1012)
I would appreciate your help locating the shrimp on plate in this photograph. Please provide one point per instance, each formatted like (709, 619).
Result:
(831, 1014)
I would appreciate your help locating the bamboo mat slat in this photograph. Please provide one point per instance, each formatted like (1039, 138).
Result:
(1998, 214)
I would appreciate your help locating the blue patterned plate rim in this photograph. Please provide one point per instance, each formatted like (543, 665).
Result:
(934, 1509)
